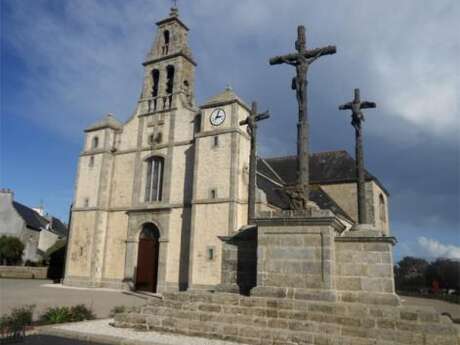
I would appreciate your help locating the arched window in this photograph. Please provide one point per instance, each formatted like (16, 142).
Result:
(169, 79)
(165, 48)
(169, 83)
(95, 143)
(155, 79)
(154, 179)
(382, 208)
(91, 161)
(197, 124)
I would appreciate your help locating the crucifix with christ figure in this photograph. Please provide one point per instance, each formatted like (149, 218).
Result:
(357, 117)
(251, 122)
(302, 60)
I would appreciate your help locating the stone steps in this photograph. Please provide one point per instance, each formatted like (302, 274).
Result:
(266, 321)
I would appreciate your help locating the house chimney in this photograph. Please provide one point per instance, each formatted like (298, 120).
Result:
(6, 195)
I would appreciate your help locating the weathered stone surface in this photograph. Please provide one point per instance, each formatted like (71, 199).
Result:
(260, 320)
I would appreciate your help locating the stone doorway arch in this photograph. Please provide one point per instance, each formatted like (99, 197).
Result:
(148, 258)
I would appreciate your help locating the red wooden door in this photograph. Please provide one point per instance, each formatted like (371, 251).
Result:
(147, 265)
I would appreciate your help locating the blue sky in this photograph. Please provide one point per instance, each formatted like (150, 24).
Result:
(66, 63)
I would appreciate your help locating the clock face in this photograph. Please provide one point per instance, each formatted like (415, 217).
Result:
(217, 117)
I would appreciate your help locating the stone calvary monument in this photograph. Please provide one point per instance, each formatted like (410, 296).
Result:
(299, 274)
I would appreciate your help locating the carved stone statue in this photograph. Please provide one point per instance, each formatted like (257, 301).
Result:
(301, 60)
(357, 118)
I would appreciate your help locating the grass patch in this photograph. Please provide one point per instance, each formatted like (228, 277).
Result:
(66, 314)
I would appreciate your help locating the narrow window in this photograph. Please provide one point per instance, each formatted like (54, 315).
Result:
(91, 161)
(154, 179)
(86, 202)
(170, 82)
(210, 253)
(155, 83)
(151, 139)
(95, 142)
(165, 48)
(216, 141)
(382, 208)
(197, 124)
(213, 193)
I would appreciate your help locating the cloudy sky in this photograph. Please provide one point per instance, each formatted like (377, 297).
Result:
(66, 63)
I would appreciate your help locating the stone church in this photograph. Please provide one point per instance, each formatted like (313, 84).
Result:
(154, 194)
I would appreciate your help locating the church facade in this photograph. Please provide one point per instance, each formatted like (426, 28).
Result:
(154, 194)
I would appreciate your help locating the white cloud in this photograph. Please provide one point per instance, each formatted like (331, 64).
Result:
(84, 61)
(437, 249)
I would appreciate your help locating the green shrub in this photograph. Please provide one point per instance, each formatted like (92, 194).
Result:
(17, 319)
(66, 314)
(80, 312)
(117, 309)
(11, 249)
(56, 315)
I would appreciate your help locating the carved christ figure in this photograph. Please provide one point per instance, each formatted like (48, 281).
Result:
(301, 60)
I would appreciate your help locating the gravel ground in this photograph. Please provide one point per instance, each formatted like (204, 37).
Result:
(440, 306)
(101, 331)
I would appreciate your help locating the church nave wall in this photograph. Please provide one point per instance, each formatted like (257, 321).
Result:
(210, 221)
(122, 182)
(182, 160)
(214, 165)
(115, 245)
(80, 244)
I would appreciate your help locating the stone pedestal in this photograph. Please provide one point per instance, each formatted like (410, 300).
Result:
(239, 261)
(364, 266)
(295, 255)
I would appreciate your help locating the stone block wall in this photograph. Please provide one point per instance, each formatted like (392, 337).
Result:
(23, 272)
(272, 321)
(364, 270)
(239, 262)
(295, 256)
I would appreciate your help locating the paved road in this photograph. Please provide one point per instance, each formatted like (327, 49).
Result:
(441, 306)
(48, 340)
(17, 292)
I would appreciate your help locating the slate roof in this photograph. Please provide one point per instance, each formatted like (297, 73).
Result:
(33, 220)
(107, 122)
(277, 197)
(36, 222)
(58, 227)
(225, 97)
(325, 168)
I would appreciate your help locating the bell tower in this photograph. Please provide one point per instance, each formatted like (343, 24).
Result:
(169, 67)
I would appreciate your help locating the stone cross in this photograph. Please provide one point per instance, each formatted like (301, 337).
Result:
(251, 122)
(302, 60)
(357, 117)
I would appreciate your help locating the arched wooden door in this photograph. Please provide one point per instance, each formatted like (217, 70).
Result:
(147, 258)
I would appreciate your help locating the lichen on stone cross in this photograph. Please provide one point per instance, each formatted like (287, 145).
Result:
(301, 60)
(251, 122)
(357, 117)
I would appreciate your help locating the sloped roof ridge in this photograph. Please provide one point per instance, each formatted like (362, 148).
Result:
(30, 216)
(273, 171)
(228, 95)
(107, 121)
(340, 210)
(311, 154)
